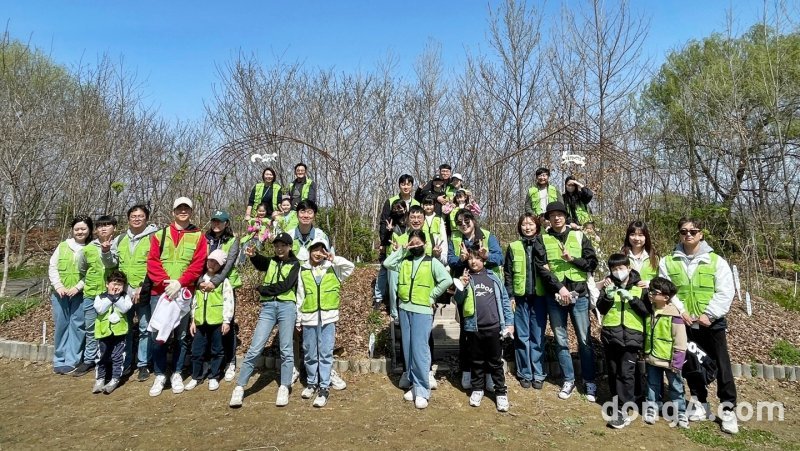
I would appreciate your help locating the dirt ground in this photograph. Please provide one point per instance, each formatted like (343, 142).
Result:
(43, 410)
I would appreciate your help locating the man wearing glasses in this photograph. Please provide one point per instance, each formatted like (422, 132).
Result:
(705, 292)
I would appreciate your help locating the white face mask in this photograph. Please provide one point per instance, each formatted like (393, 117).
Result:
(620, 274)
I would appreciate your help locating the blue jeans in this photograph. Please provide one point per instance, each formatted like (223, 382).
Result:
(207, 336)
(380, 284)
(318, 353)
(416, 328)
(89, 315)
(273, 312)
(392, 277)
(655, 378)
(579, 314)
(530, 321)
(142, 310)
(181, 335)
(68, 337)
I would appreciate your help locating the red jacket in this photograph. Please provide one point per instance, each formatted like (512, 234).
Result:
(155, 270)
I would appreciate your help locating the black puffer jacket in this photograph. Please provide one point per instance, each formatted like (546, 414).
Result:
(620, 335)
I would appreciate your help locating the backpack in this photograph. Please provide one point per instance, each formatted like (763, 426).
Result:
(699, 365)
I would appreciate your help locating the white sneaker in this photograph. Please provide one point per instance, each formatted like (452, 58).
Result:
(650, 415)
(230, 372)
(111, 386)
(99, 384)
(420, 402)
(489, 383)
(730, 424)
(308, 392)
(566, 390)
(158, 385)
(283, 396)
(236, 397)
(191, 384)
(591, 392)
(409, 395)
(432, 383)
(697, 411)
(322, 398)
(502, 403)
(404, 382)
(466, 380)
(295, 376)
(475, 398)
(177, 383)
(337, 383)
(213, 384)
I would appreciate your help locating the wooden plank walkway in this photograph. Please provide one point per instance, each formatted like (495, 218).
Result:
(20, 288)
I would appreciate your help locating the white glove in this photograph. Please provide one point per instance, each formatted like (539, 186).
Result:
(173, 288)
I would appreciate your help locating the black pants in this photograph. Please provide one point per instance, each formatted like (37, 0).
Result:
(715, 343)
(486, 357)
(621, 363)
(230, 342)
(207, 338)
(112, 357)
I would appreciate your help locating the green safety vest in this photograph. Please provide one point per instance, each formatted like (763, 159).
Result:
(458, 237)
(658, 338)
(582, 213)
(320, 296)
(558, 266)
(533, 193)
(103, 327)
(416, 288)
(303, 191)
(233, 276)
(96, 273)
(68, 270)
(432, 231)
(520, 270)
(394, 199)
(697, 292)
(275, 275)
(208, 307)
(469, 303)
(452, 218)
(402, 240)
(134, 265)
(647, 272)
(622, 314)
(259, 195)
(175, 259)
(289, 221)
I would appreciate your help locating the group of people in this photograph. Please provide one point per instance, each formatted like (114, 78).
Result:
(180, 282)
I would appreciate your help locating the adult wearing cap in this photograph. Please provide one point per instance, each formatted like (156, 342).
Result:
(267, 192)
(278, 296)
(563, 258)
(302, 188)
(305, 233)
(176, 260)
(385, 226)
(456, 183)
(220, 237)
(541, 194)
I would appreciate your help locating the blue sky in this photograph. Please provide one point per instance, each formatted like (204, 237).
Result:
(175, 47)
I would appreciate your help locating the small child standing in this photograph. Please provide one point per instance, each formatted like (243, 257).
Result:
(285, 219)
(211, 319)
(665, 350)
(318, 301)
(623, 332)
(110, 330)
(483, 299)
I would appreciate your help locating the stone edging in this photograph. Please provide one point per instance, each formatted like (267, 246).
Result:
(35, 352)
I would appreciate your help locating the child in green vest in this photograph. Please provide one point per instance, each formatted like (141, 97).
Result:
(212, 313)
(285, 219)
(665, 349)
(96, 261)
(318, 300)
(624, 308)
(111, 328)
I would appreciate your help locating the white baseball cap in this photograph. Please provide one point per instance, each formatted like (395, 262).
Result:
(457, 176)
(182, 201)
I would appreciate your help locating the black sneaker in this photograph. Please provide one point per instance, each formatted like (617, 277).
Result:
(537, 384)
(525, 383)
(82, 369)
(620, 421)
(144, 374)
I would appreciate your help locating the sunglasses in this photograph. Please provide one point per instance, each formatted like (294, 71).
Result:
(463, 223)
(690, 232)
